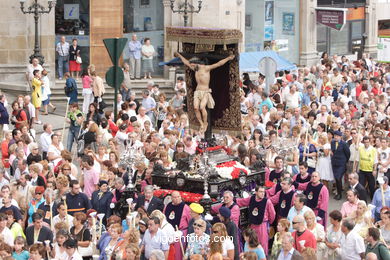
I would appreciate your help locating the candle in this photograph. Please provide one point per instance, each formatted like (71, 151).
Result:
(51, 211)
(93, 215)
(100, 216)
(129, 201)
(66, 210)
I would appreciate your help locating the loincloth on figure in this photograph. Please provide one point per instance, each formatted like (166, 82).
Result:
(201, 94)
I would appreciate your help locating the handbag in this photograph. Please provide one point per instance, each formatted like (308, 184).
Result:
(311, 162)
(86, 251)
(79, 60)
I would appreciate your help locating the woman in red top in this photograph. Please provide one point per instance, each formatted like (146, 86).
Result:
(352, 108)
(18, 115)
(358, 88)
(4, 149)
(113, 127)
(376, 90)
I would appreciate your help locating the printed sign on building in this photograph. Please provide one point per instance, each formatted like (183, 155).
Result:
(71, 11)
(332, 17)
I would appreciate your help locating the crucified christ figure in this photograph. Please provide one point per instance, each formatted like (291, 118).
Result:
(202, 94)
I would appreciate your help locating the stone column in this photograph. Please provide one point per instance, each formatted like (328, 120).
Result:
(169, 47)
(308, 54)
(371, 29)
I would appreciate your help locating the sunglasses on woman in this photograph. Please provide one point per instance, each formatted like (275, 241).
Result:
(197, 225)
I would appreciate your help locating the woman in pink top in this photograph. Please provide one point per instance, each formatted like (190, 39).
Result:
(87, 90)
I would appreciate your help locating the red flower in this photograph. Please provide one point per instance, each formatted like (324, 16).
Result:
(269, 184)
(186, 196)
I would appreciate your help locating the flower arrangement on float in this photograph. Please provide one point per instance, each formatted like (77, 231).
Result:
(188, 197)
(231, 170)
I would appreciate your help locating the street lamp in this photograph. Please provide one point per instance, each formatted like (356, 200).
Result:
(37, 9)
(185, 9)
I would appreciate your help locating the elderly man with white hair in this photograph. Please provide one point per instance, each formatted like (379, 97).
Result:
(149, 202)
(352, 244)
(288, 251)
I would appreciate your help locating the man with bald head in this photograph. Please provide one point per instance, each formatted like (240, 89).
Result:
(229, 203)
(302, 236)
(317, 196)
(371, 256)
(178, 214)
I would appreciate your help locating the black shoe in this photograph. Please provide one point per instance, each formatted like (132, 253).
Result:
(337, 197)
(132, 78)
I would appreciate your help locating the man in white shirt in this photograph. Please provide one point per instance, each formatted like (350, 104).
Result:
(62, 216)
(292, 99)
(63, 57)
(154, 239)
(22, 169)
(142, 117)
(46, 139)
(352, 244)
(132, 107)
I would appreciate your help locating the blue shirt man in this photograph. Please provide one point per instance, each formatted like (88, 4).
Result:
(306, 97)
(266, 102)
(155, 239)
(135, 48)
(71, 88)
(299, 209)
(377, 199)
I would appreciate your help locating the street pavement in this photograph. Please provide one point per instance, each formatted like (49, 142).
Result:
(57, 119)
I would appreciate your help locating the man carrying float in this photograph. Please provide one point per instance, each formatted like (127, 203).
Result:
(261, 214)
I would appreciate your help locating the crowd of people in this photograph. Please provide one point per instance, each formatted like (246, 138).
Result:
(60, 200)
